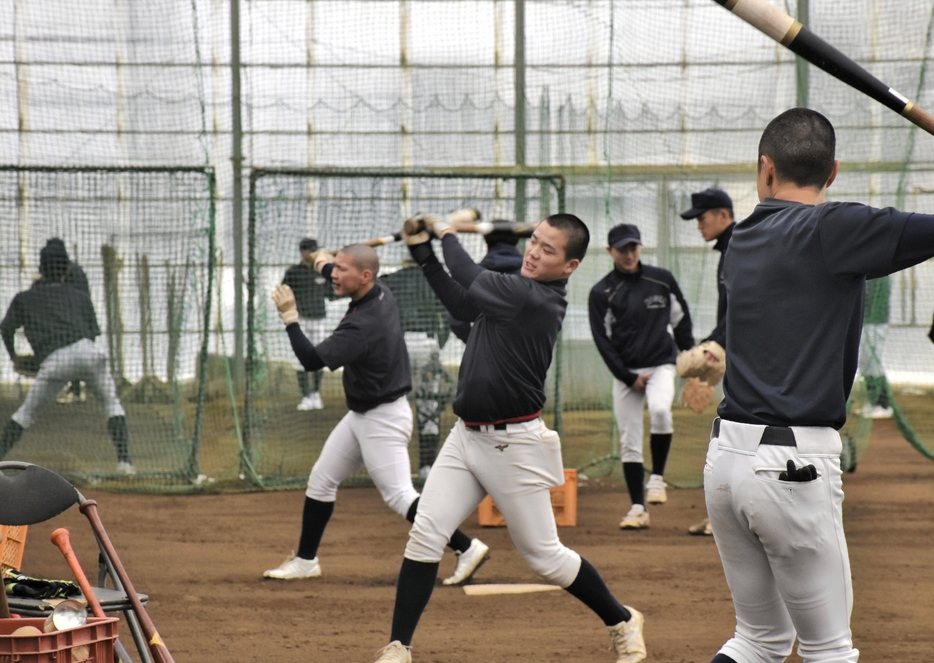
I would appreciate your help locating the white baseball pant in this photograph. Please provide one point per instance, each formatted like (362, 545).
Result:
(782, 545)
(316, 329)
(627, 408)
(377, 440)
(517, 467)
(81, 360)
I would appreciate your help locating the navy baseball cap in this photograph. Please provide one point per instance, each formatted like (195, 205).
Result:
(308, 244)
(623, 234)
(705, 200)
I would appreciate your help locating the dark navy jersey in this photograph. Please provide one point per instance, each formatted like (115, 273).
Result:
(502, 257)
(629, 318)
(795, 276)
(369, 344)
(53, 315)
(719, 332)
(310, 288)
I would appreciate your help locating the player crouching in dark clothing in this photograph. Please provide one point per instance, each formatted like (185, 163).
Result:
(61, 326)
(499, 445)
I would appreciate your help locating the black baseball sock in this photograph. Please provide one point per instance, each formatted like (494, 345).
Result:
(416, 583)
(427, 448)
(10, 436)
(116, 426)
(303, 382)
(722, 658)
(318, 375)
(660, 443)
(459, 542)
(315, 517)
(589, 588)
(634, 473)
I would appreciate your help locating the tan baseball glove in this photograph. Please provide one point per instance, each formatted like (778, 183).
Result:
(696, 394)
(26, 365)
(706, 361)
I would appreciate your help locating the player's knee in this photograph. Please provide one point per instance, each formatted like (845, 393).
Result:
(320, 487)
(661, 420)
(400, 500)
(426, 544)
(631, 455)
(557, 564)
(774, 648)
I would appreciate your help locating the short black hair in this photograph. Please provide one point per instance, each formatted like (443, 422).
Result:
(363, 257)
(576, 230)
(801, 142)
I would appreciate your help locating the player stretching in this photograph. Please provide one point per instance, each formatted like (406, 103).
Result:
(631, 309)
(375, 432)
(499, 445)
(61, 326)
(713, 209)
(795, 276)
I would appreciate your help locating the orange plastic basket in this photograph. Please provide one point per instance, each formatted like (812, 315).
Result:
(90, 643)
(12, 546)
(563, 503)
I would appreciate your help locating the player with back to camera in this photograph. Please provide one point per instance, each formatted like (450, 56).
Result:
(713, 209)
(631, 310)
(795, 276)
(60, 325)
(499, 445)
(375, 433)
(311, 290)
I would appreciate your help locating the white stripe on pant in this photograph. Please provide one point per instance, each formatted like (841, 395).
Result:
(628, 404)
(377, 440)
(782, 545)
(517, 467)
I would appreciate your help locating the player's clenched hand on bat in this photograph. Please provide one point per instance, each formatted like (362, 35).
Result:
(416, 237)
(285, 304)
(26, 365)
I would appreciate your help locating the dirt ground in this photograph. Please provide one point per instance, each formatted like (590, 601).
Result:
(200, 558)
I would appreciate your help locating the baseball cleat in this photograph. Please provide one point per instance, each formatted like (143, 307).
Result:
(316, 402)
(126, 468)
(655, 490)
(468, 562)
(626, 638)
(306, 404)
(394, 652)
(637, 518)
(295, 568)
(701, 529)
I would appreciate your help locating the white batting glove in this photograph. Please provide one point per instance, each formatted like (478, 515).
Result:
(321, 258)
(285, 304)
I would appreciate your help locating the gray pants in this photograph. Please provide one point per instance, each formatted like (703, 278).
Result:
(83, 361)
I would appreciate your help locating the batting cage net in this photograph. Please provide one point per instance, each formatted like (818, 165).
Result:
(107, 274)
(635, 105)
(288, 412)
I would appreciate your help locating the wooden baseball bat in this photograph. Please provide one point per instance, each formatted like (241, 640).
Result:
(160, 652)
(462, 217)
(800, 40)
(62, 540)
(380, 241)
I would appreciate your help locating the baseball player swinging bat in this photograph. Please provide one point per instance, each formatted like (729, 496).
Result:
(800, 40)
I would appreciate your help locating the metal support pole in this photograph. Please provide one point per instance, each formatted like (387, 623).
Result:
(802, 72)
(237, 202)
(519, 120)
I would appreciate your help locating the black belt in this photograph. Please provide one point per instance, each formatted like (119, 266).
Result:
(776, 436)
(495, 427)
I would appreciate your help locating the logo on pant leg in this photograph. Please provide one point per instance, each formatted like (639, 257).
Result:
(501, 447)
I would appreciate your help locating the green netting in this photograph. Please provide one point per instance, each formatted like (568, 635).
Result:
(632, 102)
(281, 442)
(144, 238)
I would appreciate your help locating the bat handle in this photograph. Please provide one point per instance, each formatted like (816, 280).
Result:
(62, 539)
(920, 117)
